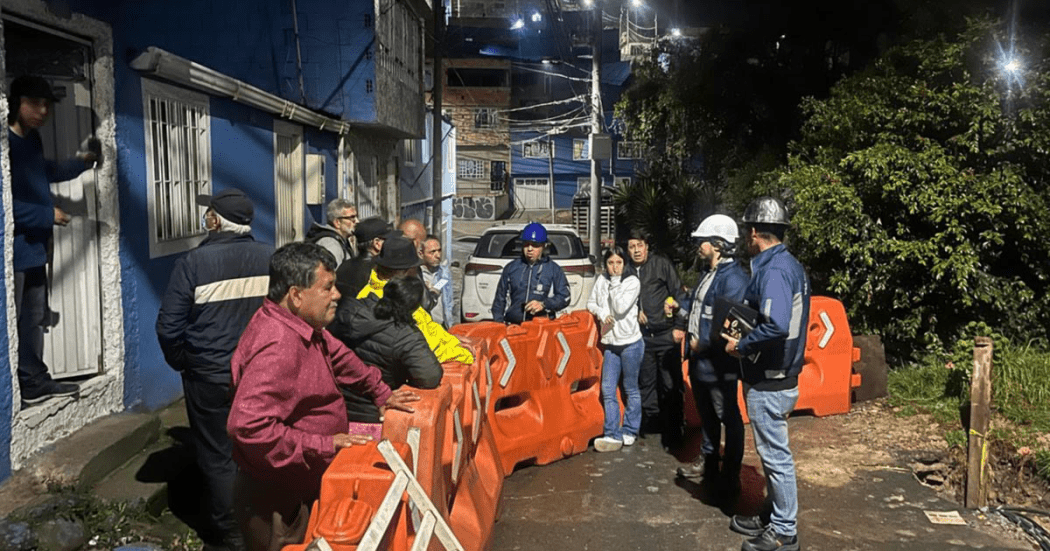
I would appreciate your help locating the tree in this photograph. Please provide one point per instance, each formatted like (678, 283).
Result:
(919, 190)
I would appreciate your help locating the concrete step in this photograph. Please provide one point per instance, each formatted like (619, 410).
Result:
(144, 479)
(88, 455)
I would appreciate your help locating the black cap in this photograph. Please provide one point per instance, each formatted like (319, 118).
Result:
(31, 86)
(231, 204)
(371, 228)
(399, 253)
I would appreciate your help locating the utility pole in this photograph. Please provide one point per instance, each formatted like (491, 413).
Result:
(436, 163)
(594, 235)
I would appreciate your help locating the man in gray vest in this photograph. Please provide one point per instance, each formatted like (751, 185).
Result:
(335, 235)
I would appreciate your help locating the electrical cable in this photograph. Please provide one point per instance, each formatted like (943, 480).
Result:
(1034, 530)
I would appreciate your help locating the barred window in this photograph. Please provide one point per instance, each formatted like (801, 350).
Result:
(629, 150)
(484, 117)
(178, 164)
(471, 169)
(537, 149)
(581, 150)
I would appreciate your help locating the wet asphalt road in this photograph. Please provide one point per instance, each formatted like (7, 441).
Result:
(631, 499)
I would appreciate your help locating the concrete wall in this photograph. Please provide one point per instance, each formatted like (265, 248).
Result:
(7, 311)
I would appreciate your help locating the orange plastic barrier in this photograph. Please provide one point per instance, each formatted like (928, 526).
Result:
(827, 380)
(351, 491)
(571, 405)
(515, 380)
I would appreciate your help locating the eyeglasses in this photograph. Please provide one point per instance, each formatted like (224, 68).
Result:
(354, 217)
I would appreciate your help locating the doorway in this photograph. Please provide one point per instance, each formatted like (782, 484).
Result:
(73, 339)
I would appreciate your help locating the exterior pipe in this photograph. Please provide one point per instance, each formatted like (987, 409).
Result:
(166, 65)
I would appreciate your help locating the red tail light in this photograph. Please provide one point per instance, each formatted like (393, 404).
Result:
(474, 268)
(586, 270)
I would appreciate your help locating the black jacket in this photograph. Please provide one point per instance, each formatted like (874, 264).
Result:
(352, 275)
(659, 281)
(399, 351)
(212, 293)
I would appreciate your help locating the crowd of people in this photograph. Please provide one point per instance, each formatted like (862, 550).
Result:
(287, 356)
(648, 320)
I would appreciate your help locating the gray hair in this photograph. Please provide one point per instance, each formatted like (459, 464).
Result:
(226, 225)
(336, 207)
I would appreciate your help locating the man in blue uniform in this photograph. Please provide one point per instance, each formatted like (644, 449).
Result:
(213, 292)
(712, 372)
(772, 354)
(535, 284)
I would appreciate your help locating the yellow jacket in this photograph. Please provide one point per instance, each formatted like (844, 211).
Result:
(445, 346)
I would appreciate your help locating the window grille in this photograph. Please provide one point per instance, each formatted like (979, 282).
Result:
(178, 163)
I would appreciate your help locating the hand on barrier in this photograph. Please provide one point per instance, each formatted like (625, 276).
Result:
(343, 440)
(400, 400)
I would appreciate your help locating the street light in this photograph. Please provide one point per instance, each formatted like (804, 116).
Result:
(536, 17)
(1012, 66)
(676, 32)
(518, 23)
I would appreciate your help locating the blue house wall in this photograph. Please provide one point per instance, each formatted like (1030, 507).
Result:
(253, 42)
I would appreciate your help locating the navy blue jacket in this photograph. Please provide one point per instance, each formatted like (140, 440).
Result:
(774, 350)
(213, 292)
(34, 208)
(543, 281)
(711, 363)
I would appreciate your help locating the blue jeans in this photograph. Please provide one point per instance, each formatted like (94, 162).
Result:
(32, 313)
(769, 412)
(625, 361)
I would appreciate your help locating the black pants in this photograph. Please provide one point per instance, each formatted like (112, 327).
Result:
(661, 385)
(208, 407)
(31, 308)
(717, 404)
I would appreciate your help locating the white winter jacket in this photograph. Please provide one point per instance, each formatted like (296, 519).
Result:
(617, 297)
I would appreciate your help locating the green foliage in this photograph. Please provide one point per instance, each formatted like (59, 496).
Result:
(663, 205)
(919, 193)
(956, 438)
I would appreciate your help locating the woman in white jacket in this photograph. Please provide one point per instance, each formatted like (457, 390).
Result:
(614, 300)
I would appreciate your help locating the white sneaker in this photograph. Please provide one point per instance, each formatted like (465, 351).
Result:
(628, 439)
(607, 444)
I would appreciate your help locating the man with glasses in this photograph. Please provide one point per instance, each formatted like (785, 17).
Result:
(534, 284)
(335, 235)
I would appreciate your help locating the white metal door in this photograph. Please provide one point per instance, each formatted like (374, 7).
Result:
(368, 201)
(73, 338)
(532, 193)
(289, 188)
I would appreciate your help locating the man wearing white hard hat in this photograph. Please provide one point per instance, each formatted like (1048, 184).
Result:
(713, 372)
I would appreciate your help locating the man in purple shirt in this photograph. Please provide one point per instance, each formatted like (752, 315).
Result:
(288, 418)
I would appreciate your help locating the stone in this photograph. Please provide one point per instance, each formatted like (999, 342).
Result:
(16, 536)
(61, 535)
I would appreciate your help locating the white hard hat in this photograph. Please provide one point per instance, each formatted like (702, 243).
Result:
(718, 225)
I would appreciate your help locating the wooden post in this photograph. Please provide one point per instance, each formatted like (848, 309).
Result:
(980, 400)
